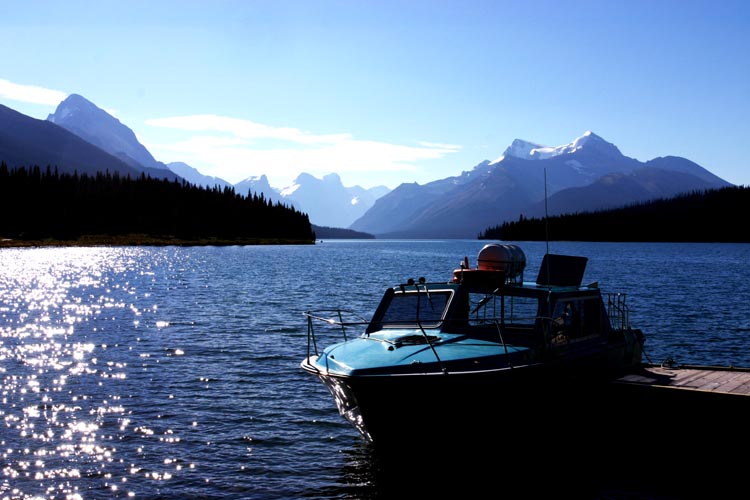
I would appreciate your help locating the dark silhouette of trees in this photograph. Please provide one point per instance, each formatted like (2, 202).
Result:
(715, 215)
(42, 203)
(340, 233)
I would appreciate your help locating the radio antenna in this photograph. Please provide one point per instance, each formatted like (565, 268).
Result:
(546, 215)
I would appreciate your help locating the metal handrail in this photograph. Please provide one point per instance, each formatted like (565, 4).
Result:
(316, 315)
(443, 368)
(618, 311)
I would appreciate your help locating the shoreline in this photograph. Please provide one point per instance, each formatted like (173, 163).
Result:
(146, 240)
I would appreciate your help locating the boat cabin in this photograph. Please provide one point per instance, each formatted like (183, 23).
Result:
(493, 303)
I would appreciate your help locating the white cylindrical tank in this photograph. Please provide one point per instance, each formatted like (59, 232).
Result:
(497, 257)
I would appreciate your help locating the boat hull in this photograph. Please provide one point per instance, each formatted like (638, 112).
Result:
(509, 404)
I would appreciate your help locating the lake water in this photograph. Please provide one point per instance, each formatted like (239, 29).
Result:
(174, 372)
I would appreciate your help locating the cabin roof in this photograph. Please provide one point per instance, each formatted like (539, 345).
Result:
(525, 288)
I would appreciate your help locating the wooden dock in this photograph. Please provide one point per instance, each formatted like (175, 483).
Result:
(724, 380)
(678, 411)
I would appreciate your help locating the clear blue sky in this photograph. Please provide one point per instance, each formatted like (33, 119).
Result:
(384, 92)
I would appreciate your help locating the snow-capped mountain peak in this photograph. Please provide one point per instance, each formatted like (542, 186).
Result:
(589, 140)
(521, 149)
(530, 151)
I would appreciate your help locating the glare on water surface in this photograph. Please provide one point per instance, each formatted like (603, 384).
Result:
(62, 406)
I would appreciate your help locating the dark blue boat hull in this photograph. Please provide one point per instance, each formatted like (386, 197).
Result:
(508, 404)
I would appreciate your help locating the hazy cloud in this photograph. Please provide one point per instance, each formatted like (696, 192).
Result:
(30, 93)
(243, 128)
(439, 145)
(232, 148)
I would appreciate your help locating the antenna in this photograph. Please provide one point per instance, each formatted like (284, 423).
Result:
(546, 260)
(546, 215)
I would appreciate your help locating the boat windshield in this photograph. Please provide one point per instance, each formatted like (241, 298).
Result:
(412, 308)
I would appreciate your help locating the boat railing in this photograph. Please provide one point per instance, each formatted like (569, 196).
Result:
(330, 319)
(618, 311)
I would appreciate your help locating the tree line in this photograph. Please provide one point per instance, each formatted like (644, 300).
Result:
(340, 233)
(714, 215)
(42, 204)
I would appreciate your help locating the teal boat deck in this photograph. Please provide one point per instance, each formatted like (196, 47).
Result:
(721, 380)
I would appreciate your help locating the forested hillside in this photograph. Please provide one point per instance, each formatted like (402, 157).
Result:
(46, 205)
(715, 215)
(336, 233)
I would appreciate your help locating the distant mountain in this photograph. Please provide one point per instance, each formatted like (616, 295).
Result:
(588, 173)
(258, 185)
(620, 189)
(78, 121)
(705, 216)
(337, 233)
(193, 176)
(94, 125)
(406, 203)
(28, 142)
(327, 202)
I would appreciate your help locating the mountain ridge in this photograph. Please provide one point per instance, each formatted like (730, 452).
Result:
(326, 201)
(693, 216)
(86, 120)
(587, 173)
(27, 141)
(517, 182)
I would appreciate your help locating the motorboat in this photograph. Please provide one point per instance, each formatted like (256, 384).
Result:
(484, 352)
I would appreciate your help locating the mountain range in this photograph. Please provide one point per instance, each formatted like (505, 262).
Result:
(527, 179)
(531, 180)
(326, 201)
(26, 141)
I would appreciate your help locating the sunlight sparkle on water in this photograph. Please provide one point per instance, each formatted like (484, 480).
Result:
(59, 311)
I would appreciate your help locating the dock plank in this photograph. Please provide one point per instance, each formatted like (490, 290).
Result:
(743, 389)
(687, 376)
(730, 381)
(725, 380)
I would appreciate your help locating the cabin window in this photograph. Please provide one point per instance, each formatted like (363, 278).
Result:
(515, 311)
(409, 309)
(575, 320)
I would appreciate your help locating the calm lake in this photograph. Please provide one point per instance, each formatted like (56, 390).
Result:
(173, 372)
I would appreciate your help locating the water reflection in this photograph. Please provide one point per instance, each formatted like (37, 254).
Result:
(62, 412)
(171, 372)
(489, 469)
